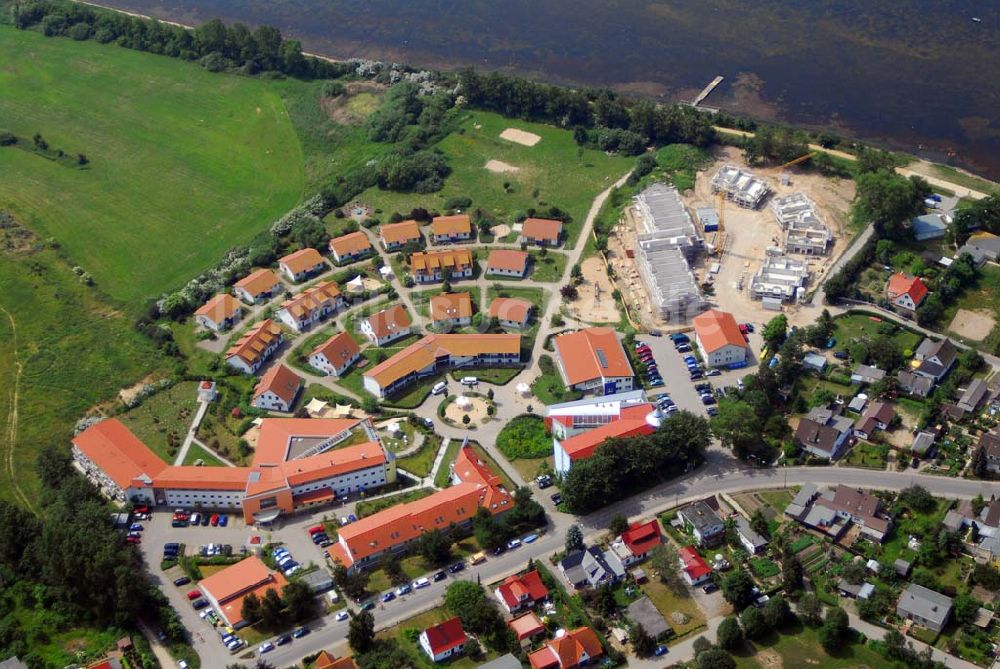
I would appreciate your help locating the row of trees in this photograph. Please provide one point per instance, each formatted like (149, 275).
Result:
(218, 46)
(982, 214)
(621, 467)
(296, 603)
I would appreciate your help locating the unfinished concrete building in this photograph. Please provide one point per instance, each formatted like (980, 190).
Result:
(740, 186)
(804, 231)
(666, 242)
(780, 277)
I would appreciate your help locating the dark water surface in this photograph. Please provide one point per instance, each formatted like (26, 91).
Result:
(916, 75)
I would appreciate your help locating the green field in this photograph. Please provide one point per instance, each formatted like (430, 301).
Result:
(167, 412)
(799, 648)
(184, 163)
(553, 172)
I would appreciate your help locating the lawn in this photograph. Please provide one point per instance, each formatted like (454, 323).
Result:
(404, 630)
(354, 378)
(554, 172)
(546, 268)
(667, 600)
(207, 457)
(524, 437)
(498, 376)
(864, 454)
(798, 647)
(856, 325)
(184, 163)
(529, 468)
(420, 463)
(168, 412)
(415, 566)
(299, 357)
(413, 395)
(536, 296)
(549, 387)
(443, 476)
(776, 499)
(75, 351)
(370, 507)
(983, 296)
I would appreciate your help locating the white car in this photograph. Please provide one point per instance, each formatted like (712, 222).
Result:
(421, 583)
(266, 647)
(341, 615)
(513, 543)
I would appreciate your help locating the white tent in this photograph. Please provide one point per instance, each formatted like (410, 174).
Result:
(524, 389)
(385, 271)
(356, 284)
(315, 407)
(463, 402)
(343, 410)
(394, 427)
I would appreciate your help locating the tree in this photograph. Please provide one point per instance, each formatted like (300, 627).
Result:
(271, 608)
(965, 609)
(737, 588)
(917, 498)
(489, 532)
(730, 634)
(251, 608)
(361, 632)
(574, 539)
(888, 200)
(604, 600)
(715, 658)
(352, 584)
(300, 601)
(468, 601)
(776, 612)
(465, 419)
(384, 654)
(810, 609)
(738, 426)
(759, 524)
(775, 331)
(643, 644)
(664, 560)
(834, 629)
(854, 571)
(569, 292)
(791, 572)
(618, 524)
(753, 623)
(895, 644)
(435, 547)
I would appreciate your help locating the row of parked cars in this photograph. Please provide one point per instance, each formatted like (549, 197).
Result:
(182, 518)
(650, 370)
(319, 536)
(286, 563)
(268, 646)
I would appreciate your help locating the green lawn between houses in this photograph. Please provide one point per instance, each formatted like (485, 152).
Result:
(798, 647)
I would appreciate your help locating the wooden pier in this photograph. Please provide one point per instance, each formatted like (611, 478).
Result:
(705, 92)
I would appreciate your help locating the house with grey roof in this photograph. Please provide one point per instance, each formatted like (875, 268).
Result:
(800, 503)
(592, 567)
(990, 442)
(973, 395)
(913, 384)
(936, 358)
(823, 432)
(814, 361)
(507, 661)
(902, 567)
(924, 607)
(703, 523)
(982, 246)
(867, 374)
(751, 540)
(862, 590)
(642, 612)
(923, 444)
(928, 226)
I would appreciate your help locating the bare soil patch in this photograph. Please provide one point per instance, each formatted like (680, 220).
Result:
(366, 284)
(974, 325)
(522, 137)
(475, 410)
(501, 167)
(126, 395)
(359, 99)
(594, 303)
(769, 658)
(501, 230)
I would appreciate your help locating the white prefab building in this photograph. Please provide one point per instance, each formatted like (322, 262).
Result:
(779, 277)
(740, 186)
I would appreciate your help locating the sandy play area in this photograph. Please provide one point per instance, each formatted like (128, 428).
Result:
(520, 137)
(974, 325)
(500, 167)
(366, 284)
(587, 307)
(501, 230)
(475, 410)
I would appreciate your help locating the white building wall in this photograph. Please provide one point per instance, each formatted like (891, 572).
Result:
(561, 463)
(268, 401)
(213, 499)
(343, 484)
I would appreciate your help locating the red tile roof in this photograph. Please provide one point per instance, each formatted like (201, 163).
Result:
(526, 626)
(338, 349)
(277, 433)
(631, 422)
(452, 225)
(281, 381)
(913, 286)
(351, 243)
(229, 586)
(301, 260)
(221, 307)
(542, 228)
(528, 587)
(590, 354)
(510, 309)
(327, 661)
(716, 329)
(445, 636)
(312, 298)
(423, 353)
(257, 339)
(449, 306)
(694, 564)
(640, 538)
(119, 453)
(507, 260)
(389, 321)
(400, 233)
(261, 281)
(567, 651)
(432, 261)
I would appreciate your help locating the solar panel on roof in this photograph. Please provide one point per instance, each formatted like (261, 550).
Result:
(601, 358)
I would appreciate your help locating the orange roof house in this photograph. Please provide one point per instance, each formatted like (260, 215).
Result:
(115, 458)
(593, 359)
(297, 266)
(511, 311)
(311, 306)
(719, 338)
(451, 228)
(631, 421)
(451, 309)
(227, 589)
(387, 325)
(519, 592)
(277, 389)
(257, 286)
(526, 626)
(444, 640)
(542, 231)
(440, 265)
(253, 348)
(573, 649)
(350, 246)
(906, 292)
(506, 262)
(395, 235)
(327, 661)
(640, 538)
(336, 354)
(219, 313)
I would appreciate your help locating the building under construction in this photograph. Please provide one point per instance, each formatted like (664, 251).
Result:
(805, 233)
(666, 243)
(740, 186)
(780, 277)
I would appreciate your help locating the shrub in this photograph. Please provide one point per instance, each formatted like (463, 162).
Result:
(524, 437)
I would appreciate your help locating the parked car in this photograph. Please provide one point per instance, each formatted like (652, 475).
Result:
(657, 383)
(368, 606)
(712, 411)
(713, 372)
(421, 583)
(341, 615)
(183, 580)
(223, 520)
(404, 589)
(215, 520)
(544, 481)
(300, 632)
(388, 597)
(695, 375)
(655, 333)
(283, 639)
(440, 576)
(513, 543)
(204, 520)
(133, 540)
(684, 348)
(840, 355)
(193, 594)
(709, 588)
(266, 647)
(499, 550)
(195, 518)
(679, 336)
(199, 604)
(457, 567)
(530, 539)
(660, 650)
(136, 527)
(556, 498)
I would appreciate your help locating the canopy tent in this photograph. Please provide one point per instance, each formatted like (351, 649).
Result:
(523, 389)
(316, 407)
(463, 402)
(356, 284)
(343, 410)
(394, 427)
(385, 271)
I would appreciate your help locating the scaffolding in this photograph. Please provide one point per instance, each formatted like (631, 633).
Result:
(805, 233)
(780, 277)
(740, 186)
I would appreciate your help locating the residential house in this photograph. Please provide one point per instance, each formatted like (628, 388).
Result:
(506, 661)
(914, 384)
(450, 229)
(934, 359)
(254, 348)
(521, 592)
(982, 246)
(387, 325)
(637, 541)
(541, 231)
(258, 286)
(592, 567)
(814, 362)
(326, 660)
(575, 648)
(858, 403)
(437, 353)
(990, 442)
(350, 247)
(858, 507)
(219, 313)
(823, 432)
(226, 589)
(643, 612)
(867, 374)
(973, 395)
(511, 312)
(334, 356)
(451, 310)
(752, 541)
(928, 226)
(506, 262)
(301, 264)
(861, 590)
(924, 607)
(879, 416)
(703, 523)
(302, 311)
(277, 389)
(593, 359)
(694, 569)
(397, 235)
(525, 627)
(799, 506)
(433, 266)
(444, 640)
(719, 338)
(923, 444)
(906, 292)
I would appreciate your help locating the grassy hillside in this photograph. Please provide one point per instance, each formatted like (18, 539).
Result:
(184, 164)
(553, 172)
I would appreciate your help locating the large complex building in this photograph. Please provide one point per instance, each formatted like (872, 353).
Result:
(805, 233)
(438, 353)
(665, 245)
(719, 338)
(631, 421)
(740, 186)
(361, 544)
(295, 466)
(779, 278)
(593, 359)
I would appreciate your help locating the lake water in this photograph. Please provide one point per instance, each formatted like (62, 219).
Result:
(914, 75)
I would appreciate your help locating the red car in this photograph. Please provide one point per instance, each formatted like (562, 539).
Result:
(316, 529)
(133, 540)
(193, 594)
(215, 519)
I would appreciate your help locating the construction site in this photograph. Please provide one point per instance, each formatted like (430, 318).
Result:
(751, 241)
